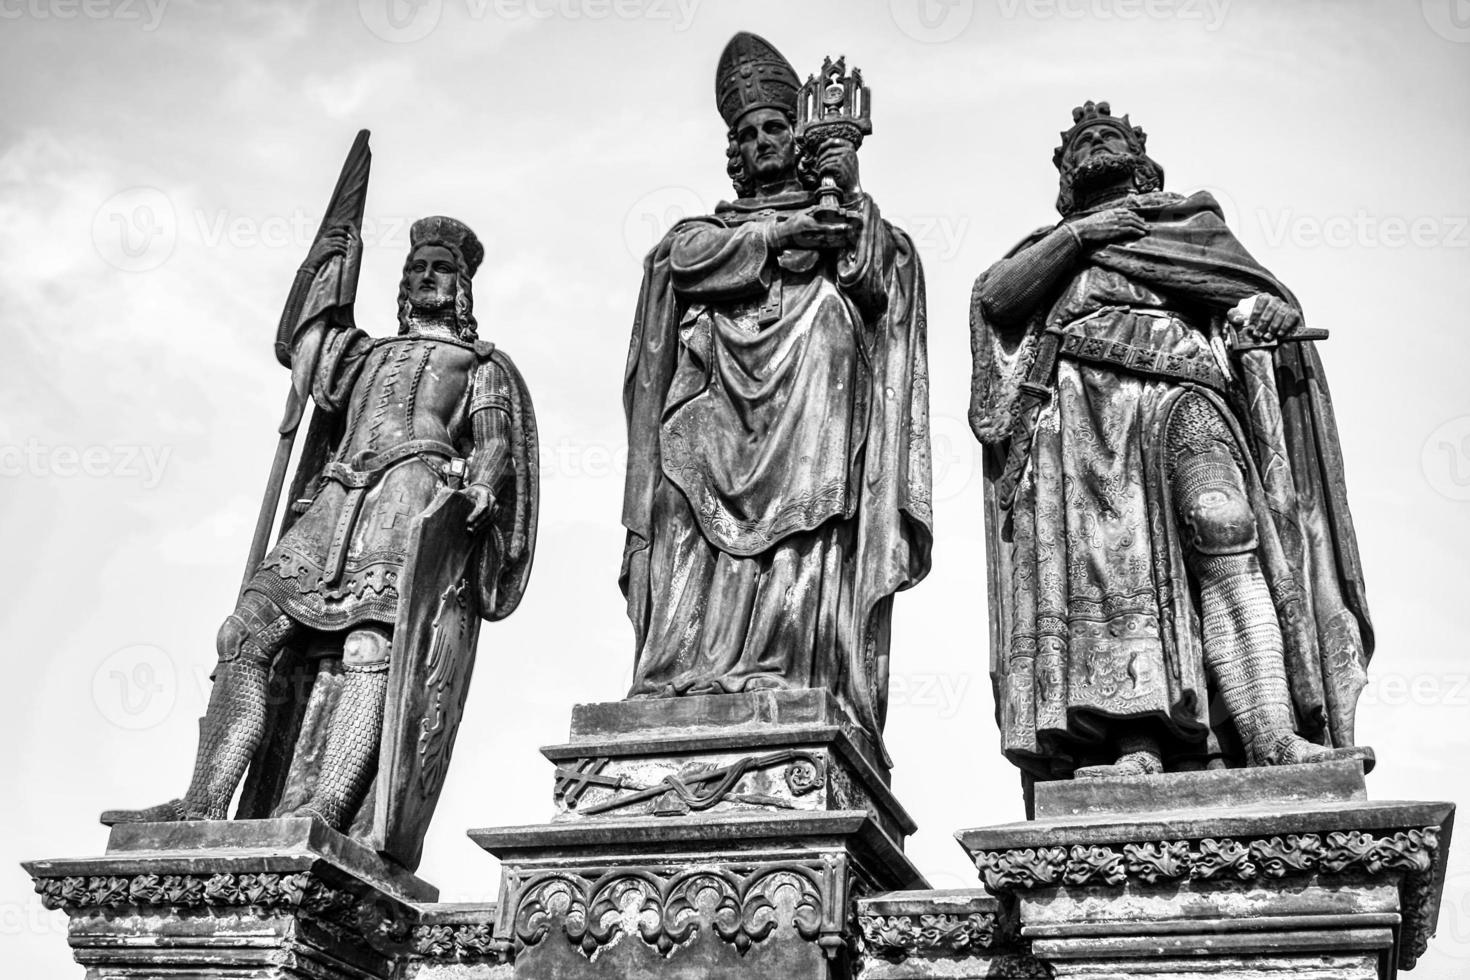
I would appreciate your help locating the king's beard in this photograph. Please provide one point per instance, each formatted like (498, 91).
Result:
(1102, 176)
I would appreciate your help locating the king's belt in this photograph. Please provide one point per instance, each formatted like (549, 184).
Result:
(1199, 368)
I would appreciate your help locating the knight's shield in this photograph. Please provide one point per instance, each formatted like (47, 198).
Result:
(433, 655)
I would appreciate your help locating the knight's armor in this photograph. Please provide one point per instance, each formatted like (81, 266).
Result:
(408, 416)
(422, 412)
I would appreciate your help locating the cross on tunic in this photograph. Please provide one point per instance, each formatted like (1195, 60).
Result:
(399, 509)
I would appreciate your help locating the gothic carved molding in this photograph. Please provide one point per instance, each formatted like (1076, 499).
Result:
(740, 906)
(899, 936)
(1409, 852)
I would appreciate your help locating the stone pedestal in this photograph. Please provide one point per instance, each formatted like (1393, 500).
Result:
(716, 836)
(455, 942)
(954, 934)
(260, 899)
(1248, 874)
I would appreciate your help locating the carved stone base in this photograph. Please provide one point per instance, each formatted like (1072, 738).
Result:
(768, 751)
(721, 895)
(1247, 874)
(455, 941)
(708, 836)
(956, 934)
(263, 899)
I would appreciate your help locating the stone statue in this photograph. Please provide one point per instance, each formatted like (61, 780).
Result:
(778, 486)
(349, 651)
(1174, 578)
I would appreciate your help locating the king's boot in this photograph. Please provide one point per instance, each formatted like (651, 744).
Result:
(1138, 755)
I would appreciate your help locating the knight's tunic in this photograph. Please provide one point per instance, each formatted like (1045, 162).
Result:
(408, 403)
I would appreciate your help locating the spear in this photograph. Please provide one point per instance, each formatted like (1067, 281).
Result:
(330, 292)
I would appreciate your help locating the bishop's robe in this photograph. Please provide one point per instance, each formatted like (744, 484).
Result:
(778, 489)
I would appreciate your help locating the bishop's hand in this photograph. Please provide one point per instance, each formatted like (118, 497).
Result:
(836, 158)
(484, 508)
(802, 230)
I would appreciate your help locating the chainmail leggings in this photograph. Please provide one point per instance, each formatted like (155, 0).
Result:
(1244, 652)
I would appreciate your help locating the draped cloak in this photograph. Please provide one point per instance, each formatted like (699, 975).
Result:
(1278, 405)
(778, 484)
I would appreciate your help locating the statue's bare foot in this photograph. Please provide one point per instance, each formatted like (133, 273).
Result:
(1141, 763)
(171, 812)
(1291, 749)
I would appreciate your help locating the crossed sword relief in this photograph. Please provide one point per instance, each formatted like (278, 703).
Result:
(693, 788)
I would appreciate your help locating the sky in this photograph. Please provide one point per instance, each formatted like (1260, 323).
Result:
(164, 163)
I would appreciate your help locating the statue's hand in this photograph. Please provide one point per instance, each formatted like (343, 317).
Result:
(837, 159)
(484, 508)
(1113, 225)
(804, 231)
(337, 241)
(1264, 317)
